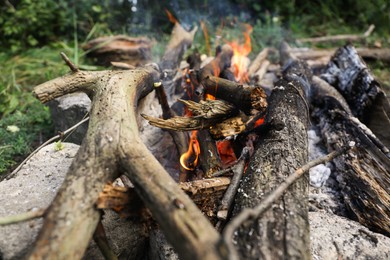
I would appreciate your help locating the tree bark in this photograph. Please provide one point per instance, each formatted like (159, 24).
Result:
(283, 231)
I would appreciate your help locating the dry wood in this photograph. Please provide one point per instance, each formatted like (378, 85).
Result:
(245, 99)
(343, 37)
(8, 220)
(351, 77)
(210, 161)
(179, 138)
(112, 144)
(208, 113)
(120, 48)
(282, 232)
(258, 62)
(382, 54)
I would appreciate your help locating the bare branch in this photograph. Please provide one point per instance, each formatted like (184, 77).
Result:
(271, 198)
(68, 62)
(22, 217)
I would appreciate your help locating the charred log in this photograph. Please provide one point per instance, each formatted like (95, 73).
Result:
(363, 171)
(351, 77)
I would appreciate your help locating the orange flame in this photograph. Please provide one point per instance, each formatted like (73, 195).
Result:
(239, 60)
(171, 18)
(192, 153)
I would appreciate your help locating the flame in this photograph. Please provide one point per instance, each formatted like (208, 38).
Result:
(239, 61)
(171, 18)
(226, 152)
(259, 122)
(192, 152)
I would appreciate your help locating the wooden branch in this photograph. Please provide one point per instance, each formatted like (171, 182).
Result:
(382, 54)
(273, 197)
(258, 61)
(209, 113)
(70, 64)
(101, 240)
(25, 216)
(210, 161)
(230, 193)
(112, 143)
(244, 99)
(180, 139)
(344, 37)
(54, 138)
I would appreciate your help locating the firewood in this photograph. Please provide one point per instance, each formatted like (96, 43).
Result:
(258, 62)
(179, 138)
(282, 232)
(111, 145)
(207, 114)
(120, 48)
(246, 99)
(382, 54)
(343, 37)
(348, 73)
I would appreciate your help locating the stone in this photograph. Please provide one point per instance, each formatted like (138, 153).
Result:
(33, 187)
(68, 110)
(335, 237)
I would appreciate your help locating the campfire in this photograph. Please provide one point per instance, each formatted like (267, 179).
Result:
(236, 145)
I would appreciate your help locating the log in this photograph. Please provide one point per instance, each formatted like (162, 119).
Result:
(283, 231)
(112, 145)
(348, 73)
(120, 48)
(245, 99)
(363, 172)
(382, 54)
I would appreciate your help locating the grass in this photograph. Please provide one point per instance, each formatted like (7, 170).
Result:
(20, 73)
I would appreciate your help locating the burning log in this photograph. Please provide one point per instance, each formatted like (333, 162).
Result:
(246, 99)
(283, 231)
(208, 113)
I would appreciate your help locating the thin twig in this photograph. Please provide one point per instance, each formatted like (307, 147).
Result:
(22, 217)
(275, 195)
(68, 62)
(100, 239)
(231, 191)
(46, 143)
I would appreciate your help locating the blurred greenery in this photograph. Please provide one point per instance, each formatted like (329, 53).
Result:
(33, 33)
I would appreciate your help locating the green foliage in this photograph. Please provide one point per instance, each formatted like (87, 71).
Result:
(16, 141)
(316, 17)
(32, 23)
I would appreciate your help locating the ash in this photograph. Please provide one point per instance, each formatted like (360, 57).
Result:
(324, 190)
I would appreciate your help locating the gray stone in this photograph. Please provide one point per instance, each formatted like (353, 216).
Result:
(67, 111)
(334, 237)
(33, 187)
